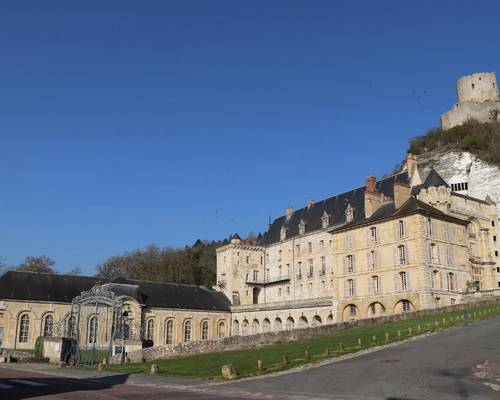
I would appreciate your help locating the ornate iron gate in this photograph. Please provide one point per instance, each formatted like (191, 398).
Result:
(94, 322)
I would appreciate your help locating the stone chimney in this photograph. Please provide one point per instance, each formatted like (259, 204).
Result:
(411, 164)
(402, 193)
(289, 212)
(373, 199)
(310, 203)
(371, 181)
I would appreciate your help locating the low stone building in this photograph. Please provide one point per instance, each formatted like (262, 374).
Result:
(86, 308)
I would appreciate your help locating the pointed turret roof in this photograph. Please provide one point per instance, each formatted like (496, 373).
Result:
(434, 179)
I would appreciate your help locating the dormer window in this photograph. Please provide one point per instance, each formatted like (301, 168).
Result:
(349, 213)
(325, 220)
(302, 227)
(283, 233)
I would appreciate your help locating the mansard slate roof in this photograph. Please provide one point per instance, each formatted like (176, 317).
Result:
(17, 285)
(335, 208)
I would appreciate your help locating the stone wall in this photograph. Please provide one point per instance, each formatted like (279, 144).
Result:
(486, 111)
(16, 354)
(264, 339)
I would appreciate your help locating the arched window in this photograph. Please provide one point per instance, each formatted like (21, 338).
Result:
(290, 323)
(204, 330)
(150, 329)
(278, 324)
(187, 331)
(236, 327)
(255, 326)
(169, 334)
(266, 325)
(244, 327)
(126, 326)
(302, 322)
(48, 325)
(222, 329)
(71, 328)
(24, 328)
(316, 321)
(92, 337)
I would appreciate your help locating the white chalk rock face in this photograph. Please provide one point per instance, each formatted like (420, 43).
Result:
(460, 168)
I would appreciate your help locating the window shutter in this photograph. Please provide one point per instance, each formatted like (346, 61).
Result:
(354, 287)
(429, 253)
(395, 252)
(396, 231)
(438, 256)
(407, 254)
(380, 284)
(408, 284)
(353, 263)
(368, 261)
(456, 282)
(443, 280)
(405, 229)
(345, 265)
(368, 237)
(346, 292)
(396, 282)
(345, 242)
(370, 285)
(375, 261)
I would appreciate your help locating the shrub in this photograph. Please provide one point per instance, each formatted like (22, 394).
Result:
(39, 347)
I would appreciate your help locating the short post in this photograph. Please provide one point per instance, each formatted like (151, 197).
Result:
(341, 346)
(360, 343)
(374, 339)
(307, 355)
(436, 323)
(418, 328)
(399, 333)
(285, 359)
(155, 369)
(327, 351)
(409, 331)
(387, 336)
(444, 321)
(260, 365)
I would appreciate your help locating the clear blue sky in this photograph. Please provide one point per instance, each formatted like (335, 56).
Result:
(129, 123)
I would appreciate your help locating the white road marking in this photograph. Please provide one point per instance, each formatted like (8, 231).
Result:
(28, 383)
(5, 386)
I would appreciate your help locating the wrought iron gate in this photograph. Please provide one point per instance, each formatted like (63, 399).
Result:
(94, 322)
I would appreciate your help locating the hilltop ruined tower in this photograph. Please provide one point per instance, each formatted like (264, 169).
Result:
(477, 99)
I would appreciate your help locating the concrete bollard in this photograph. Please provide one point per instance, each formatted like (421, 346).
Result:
(307, 355)
(418, 328)
(342, 348)
(155, 369)
(399, 334)
(387, 336)
(260, 365)
(104, 361)
(285, 359)
(360, 343)
(409, 331)
(444, 321)
(374, 339)
(327, 351)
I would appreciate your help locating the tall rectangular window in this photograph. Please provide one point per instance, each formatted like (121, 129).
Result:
(310, 247)
(323, 265)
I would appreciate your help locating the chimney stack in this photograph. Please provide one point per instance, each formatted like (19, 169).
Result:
(373, 199)
(289, 212)
(411, 164)
(310, 203)
(402, 193)
(371, 181)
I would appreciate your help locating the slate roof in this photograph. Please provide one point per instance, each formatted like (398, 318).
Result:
(335, 208)
(17, 285)
(434, 179)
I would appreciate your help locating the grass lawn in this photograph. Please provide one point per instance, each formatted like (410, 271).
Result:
(341, 342)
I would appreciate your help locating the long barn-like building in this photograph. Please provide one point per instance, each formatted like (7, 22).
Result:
(394, 245)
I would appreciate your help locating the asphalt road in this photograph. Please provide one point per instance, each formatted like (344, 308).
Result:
(442, 366)
(436, 367)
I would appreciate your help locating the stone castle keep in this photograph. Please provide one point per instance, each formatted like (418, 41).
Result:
(406, 242)
(477, 99)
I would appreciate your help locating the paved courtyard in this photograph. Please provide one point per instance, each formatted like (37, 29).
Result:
(459, 363)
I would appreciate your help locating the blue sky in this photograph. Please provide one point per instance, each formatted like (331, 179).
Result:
(129, 123)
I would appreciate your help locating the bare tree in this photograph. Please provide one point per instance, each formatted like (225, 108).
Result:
(37, 264)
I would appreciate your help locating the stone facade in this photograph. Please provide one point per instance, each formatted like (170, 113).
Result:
(395, 264)
(477, 99)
